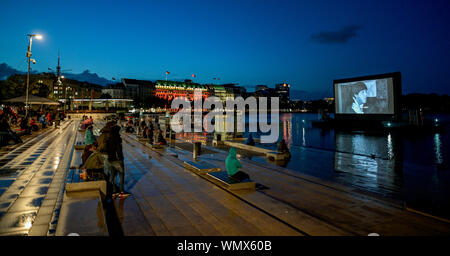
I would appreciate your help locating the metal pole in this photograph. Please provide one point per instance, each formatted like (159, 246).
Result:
(28, 75)
(65, 97)
(197, 150)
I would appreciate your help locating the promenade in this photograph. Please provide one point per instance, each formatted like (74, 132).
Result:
(167, 199)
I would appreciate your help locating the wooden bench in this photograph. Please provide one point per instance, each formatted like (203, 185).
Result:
(200, 167)
(276, 156)
(222, 179)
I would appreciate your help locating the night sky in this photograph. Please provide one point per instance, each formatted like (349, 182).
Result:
(304, 43)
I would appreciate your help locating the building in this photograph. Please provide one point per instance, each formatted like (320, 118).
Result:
(235, 91)
(267, 92)
(282, 91)
(169, 90)
(116, 91)
(261, 88)
(64, 89)
(217, 91)
(72, 89)
(137, 89)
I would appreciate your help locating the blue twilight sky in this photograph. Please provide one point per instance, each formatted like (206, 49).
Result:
(304, 43)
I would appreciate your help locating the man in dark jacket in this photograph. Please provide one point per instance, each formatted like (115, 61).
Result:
(116, 161)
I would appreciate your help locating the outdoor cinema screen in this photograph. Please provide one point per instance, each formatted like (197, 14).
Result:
(374, 96)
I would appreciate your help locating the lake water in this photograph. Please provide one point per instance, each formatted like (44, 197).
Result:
(407, 166)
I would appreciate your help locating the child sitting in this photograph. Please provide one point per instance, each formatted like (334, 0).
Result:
(94, 165)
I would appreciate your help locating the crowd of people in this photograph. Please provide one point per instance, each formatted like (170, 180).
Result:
(146, 129)
(14, 122)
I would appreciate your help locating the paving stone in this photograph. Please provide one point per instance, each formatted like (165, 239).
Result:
(39, 230)
(14, 221)
(42, 219)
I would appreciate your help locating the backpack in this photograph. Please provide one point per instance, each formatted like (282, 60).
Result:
(102, 142)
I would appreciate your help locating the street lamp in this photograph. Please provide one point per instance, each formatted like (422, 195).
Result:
(65, 90)
(29, 62)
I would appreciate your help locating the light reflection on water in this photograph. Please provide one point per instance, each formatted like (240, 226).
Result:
(410, 167)
(437, 148)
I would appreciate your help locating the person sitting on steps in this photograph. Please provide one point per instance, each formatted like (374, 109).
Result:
(250, 141)
(93, 165)
(233, 165)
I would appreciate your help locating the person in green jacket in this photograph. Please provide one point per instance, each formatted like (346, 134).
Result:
(89, 137)
(233, 165)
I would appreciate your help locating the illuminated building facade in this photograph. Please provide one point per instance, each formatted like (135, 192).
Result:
(169, 90)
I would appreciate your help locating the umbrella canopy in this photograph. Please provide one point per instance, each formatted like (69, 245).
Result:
(33, 100)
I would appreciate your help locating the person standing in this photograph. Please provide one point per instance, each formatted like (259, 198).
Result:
(102, 140)
(42, 121)
(49, 119)
(116, 162)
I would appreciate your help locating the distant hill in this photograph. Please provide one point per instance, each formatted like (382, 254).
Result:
(89, 77)
(6, 71)
(85, 76)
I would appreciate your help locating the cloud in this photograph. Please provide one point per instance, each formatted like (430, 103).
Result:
(336, 37)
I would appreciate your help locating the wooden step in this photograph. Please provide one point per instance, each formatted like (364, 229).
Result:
(86, 186)
(200, 167)
(82, 214)
(222, 179)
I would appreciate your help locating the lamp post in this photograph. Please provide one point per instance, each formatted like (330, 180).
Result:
(60, 83)
(29, 62)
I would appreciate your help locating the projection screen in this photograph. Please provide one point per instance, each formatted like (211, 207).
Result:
(375, 96)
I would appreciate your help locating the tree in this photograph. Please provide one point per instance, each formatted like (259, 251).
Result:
(15, 86)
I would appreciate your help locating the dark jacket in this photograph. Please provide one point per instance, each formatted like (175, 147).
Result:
(114, 145)
(103, 139)
(94, 161)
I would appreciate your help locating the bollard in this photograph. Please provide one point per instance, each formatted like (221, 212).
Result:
(197, 149)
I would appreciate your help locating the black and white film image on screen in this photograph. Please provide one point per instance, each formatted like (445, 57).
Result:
(365, 97)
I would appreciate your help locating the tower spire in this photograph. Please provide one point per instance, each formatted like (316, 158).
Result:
(58, 68)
